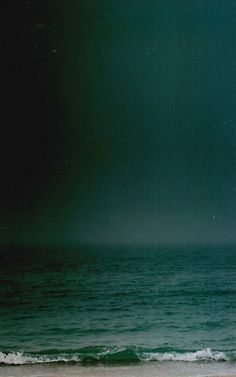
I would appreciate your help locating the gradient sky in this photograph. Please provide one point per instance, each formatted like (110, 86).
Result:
(120, 121)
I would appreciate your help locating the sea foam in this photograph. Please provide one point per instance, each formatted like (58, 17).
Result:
(19, 358)
(114, 355)
(201, 355)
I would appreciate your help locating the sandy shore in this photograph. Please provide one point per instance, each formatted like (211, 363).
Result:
(139, 370)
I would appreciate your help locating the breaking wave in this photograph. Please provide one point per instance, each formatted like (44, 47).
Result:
(114, 355)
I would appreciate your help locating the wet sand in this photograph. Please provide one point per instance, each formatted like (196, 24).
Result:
(139, 370)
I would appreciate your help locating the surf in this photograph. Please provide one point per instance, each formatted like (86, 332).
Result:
(114, 355)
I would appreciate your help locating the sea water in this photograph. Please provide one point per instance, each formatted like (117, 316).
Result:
(119, 306)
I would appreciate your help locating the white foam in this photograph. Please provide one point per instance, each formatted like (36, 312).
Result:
(202, 355)
(18, 358)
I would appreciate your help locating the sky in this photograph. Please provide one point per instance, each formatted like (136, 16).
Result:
(118, 122)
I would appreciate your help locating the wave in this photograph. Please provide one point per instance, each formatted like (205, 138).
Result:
(20, 358)
(201, 355)
(115, 355)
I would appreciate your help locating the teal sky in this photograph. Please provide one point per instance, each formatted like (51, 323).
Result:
(144, 95)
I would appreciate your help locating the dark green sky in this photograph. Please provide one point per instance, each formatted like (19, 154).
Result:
(136, 131)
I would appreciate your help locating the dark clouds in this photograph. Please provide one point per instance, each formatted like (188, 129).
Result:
(133, 109)
(31, 120)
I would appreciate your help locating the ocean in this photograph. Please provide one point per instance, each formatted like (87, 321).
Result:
(117, 310)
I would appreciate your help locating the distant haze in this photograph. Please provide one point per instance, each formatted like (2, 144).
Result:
(120, 122)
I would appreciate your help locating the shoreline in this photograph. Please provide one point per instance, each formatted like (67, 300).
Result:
(151, 369)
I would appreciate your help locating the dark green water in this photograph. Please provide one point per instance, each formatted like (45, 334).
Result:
(121, 304)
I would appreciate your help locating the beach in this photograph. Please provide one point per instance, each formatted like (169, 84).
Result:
(141, 370)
